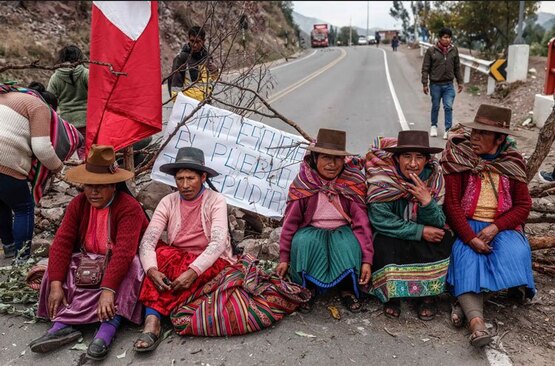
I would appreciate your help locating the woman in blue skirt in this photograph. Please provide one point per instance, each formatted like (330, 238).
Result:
(486, 204)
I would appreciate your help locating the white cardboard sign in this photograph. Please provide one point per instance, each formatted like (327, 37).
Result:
(256, 162)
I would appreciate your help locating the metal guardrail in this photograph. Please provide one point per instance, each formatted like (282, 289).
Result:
(470, 63)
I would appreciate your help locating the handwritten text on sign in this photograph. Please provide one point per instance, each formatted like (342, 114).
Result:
(256, 162)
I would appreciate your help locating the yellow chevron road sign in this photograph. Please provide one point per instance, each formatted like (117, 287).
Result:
(497, 69)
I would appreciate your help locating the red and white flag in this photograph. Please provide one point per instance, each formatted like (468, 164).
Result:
(123, 109)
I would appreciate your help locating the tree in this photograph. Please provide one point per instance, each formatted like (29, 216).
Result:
(493, 22)
(332, 35)
(398, 12)
(344, 35)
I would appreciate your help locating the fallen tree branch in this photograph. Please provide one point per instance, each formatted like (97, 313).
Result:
(549, 270)
(541, 242)
(543, 146)
(539, 191)
(35, 65)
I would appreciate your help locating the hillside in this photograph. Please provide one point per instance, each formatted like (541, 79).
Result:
(36, 30)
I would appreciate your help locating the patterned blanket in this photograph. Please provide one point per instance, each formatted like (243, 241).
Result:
(64, 137)
(458, 157)
(349, 184)
(385, 184)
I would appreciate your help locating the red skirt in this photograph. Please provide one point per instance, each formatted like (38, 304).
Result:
(173, 262)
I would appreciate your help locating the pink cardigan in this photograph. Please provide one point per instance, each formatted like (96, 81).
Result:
(214, 224)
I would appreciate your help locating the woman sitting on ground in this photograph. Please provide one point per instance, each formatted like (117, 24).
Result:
(199, 245)
(412, 246)
(104, 220)
(326, 239)
(486, 203)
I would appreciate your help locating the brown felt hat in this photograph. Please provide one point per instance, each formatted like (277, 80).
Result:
(413, 141)
(330, 142)
(99, 168)
(492, 118)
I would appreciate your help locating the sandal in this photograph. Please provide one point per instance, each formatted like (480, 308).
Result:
(480, 338)
(429, 306)
(152, 340)
(351, 303)
(457, 315)
(306, 307)
(97, 350)
(392, 308)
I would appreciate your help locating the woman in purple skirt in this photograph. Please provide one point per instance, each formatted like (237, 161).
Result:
(102, 221)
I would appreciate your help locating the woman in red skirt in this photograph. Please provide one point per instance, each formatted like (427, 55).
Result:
(198, 243)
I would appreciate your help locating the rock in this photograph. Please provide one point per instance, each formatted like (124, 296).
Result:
(60, 186)
(54, 215)
(238, 235)
(551, 344)
(240, 224)
(152, 193)
(251, 246)
(270, 251)
(532, 71)
(41, 247)
(44, 224)
(73, 191)
(275, 235)
(266, 232)
(527, 122)
(255, 221)
(58, 200)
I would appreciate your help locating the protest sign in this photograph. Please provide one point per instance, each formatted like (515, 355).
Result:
(256, 162)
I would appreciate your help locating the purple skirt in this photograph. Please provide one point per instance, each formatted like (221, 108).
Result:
(83, 302)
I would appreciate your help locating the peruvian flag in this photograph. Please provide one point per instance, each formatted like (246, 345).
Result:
(123, 109)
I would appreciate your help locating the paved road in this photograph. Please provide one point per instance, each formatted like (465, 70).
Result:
(352, 94)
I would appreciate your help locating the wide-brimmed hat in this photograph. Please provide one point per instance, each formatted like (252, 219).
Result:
(330, 142)
(492, 118)
(188, 158)
(100, 168)
(413, 141)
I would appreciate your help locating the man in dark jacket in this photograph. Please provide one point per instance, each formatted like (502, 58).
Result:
(440, 66)
(192, 55)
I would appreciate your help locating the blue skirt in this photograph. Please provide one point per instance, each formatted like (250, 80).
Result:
(508, 265)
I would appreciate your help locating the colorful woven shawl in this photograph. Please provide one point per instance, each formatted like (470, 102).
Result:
(349, 184)
(385, 184)
(458, 157)
(64, 137)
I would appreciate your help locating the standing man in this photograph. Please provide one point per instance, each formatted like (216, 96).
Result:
(440, 66)
(378, 38)
(193, 65)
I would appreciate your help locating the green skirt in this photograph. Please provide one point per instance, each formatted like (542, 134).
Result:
(325, 257)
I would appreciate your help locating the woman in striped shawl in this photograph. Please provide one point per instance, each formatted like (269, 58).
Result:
(326, 239)
(412, 247)
(486, 203)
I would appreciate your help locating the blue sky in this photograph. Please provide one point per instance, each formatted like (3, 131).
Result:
(341, 12)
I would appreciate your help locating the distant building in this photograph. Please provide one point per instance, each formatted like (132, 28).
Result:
(387, 35)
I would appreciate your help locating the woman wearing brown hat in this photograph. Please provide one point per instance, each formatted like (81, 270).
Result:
(486, 203)
(411, 245)
(102, 225)
(326, 239)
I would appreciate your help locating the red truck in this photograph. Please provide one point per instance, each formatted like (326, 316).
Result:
(319, 36)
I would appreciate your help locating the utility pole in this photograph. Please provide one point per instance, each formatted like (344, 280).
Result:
(367, 19)
(350, 32)
(518, 39)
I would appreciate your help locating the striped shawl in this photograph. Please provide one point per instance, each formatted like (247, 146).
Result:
(458, 157)
(385, 184)
(64, 137)
(349, 184)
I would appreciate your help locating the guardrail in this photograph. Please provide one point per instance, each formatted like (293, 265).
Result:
(470, 63)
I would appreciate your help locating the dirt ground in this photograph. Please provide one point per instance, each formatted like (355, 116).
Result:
(527, 332)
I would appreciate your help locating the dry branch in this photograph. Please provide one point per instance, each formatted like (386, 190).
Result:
(549, 270)
(35, 65)
(541, 242)
(543, 146)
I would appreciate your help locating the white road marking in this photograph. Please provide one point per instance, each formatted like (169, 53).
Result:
(292, 62)
(497, 358)
(400, 114)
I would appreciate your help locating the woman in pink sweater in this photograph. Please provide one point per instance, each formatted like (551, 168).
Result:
(198, 245)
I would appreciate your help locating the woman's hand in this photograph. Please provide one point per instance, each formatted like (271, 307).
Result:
(365, 273)
(106, 309)
(432, 234)
(488, 233)
(281, 269)
(55, 298)
(419, 190)
(184, 281)
(479, 246)
(157, 279)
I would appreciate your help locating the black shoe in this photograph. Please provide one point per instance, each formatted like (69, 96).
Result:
(546, 177)
(52, 341)
(97, 350)
(9, 251)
